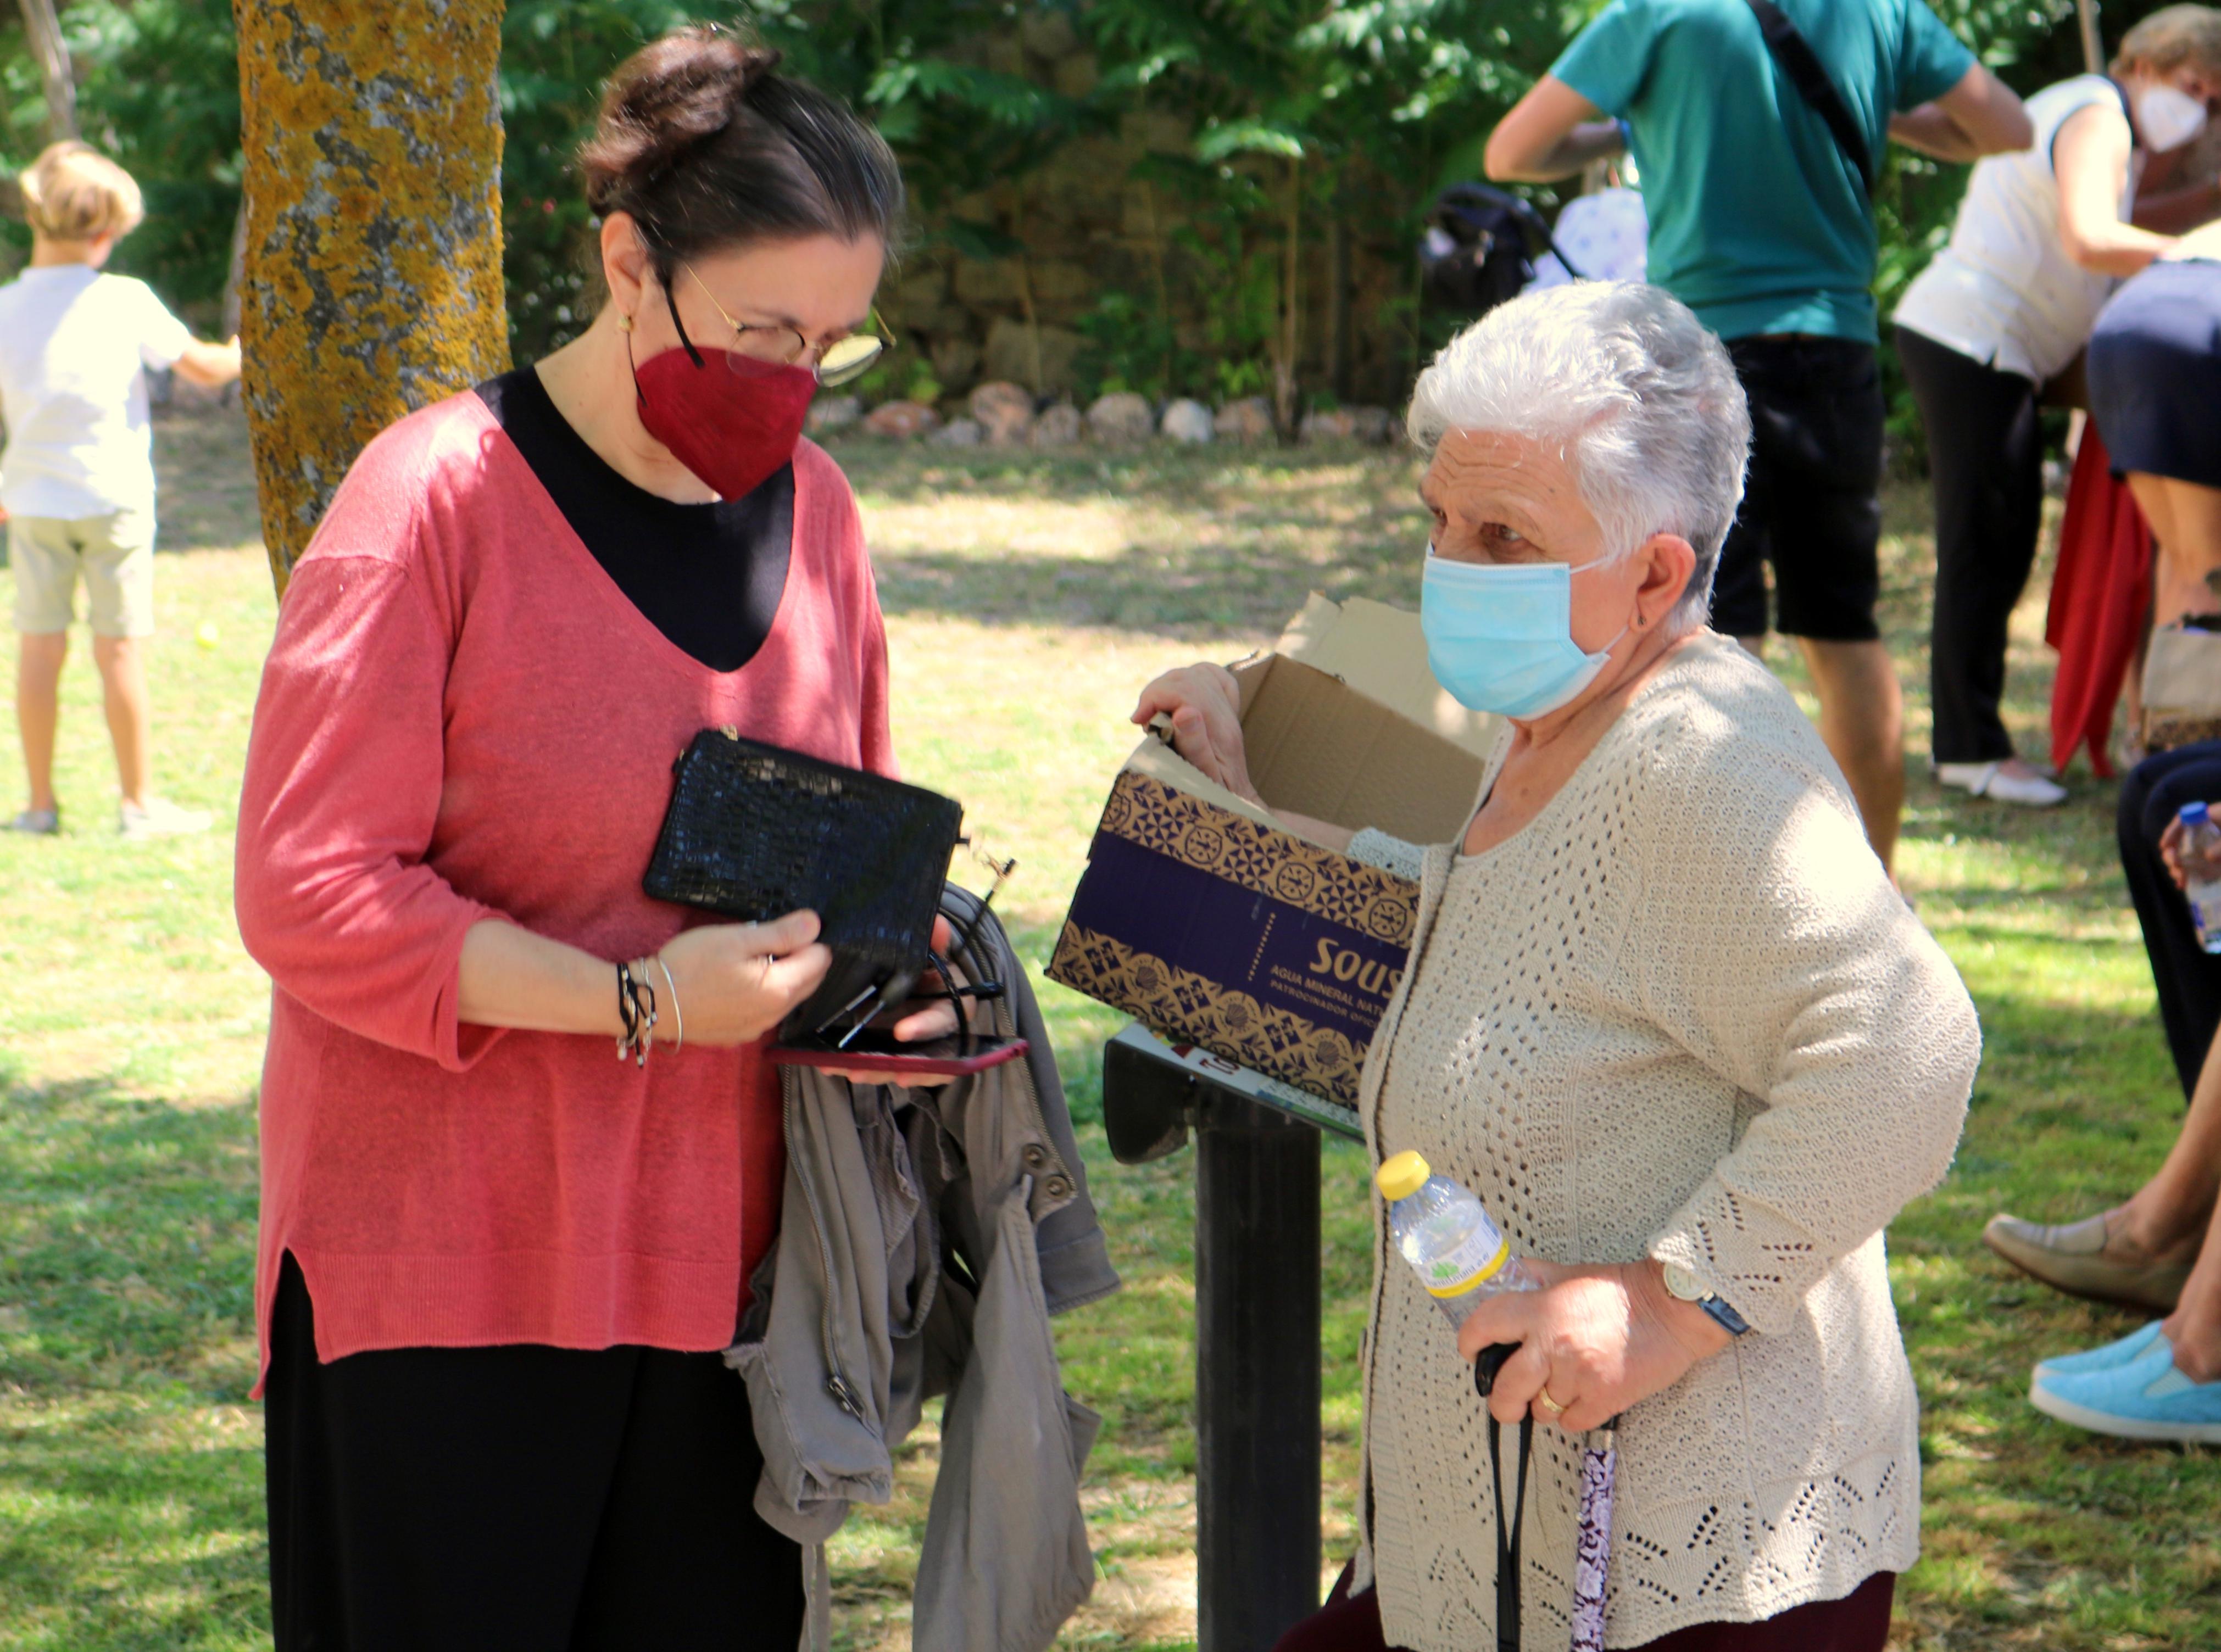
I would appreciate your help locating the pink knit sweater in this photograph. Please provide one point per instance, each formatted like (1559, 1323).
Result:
(463, 718)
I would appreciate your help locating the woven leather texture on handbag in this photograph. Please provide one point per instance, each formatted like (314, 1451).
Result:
(755, 832)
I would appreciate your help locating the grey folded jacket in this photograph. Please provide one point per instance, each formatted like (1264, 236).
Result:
(926, 1238)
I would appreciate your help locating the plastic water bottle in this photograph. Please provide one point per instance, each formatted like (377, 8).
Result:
(2201, 866)
(1447, 1237)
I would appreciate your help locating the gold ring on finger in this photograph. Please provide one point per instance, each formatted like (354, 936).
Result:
(1544, 1399)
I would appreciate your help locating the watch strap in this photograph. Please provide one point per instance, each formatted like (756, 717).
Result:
(1732, 1321)
(1686, 1287)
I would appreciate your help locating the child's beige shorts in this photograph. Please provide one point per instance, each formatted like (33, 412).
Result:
(114, 555)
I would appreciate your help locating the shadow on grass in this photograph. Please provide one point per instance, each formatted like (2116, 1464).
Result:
(131, 1524)
(2036, 1535)
(207, 499)
(1202, 544)
(1201, 591)
(1207, 477)
(127, 1239)
(130, 1479)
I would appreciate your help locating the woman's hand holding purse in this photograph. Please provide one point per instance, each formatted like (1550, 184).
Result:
(734, 983)
(923, 1017)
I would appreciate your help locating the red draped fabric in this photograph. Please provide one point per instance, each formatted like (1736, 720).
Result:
(2101, 593)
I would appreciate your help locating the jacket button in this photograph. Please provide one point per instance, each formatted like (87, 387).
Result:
(1035, 1156)
(1056, 1187)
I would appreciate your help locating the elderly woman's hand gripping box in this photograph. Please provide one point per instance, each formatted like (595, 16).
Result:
(1251, 931)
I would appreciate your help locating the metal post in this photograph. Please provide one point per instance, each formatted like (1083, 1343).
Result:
(1256, 1319)
(1257, 1372)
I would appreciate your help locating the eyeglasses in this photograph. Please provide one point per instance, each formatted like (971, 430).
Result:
(841, 362)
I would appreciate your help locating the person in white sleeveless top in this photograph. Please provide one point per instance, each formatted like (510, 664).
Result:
(1605, 233)
(1665, 1014)
(2007, 305)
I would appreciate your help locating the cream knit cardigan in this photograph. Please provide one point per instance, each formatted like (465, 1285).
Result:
(1681, 1014)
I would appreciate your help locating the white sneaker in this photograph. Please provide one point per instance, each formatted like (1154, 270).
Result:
(43, 823)
(2030, 790)
(158, 818)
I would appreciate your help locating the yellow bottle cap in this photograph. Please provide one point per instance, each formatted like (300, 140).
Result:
(1402, 1176)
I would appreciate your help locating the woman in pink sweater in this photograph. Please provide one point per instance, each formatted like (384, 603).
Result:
(497, 1265)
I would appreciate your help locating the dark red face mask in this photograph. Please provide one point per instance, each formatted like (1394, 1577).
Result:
(730, 419)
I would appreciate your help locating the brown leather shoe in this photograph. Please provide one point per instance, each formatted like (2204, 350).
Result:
(2071, 1258)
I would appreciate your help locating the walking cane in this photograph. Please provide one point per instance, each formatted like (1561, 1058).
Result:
(1592, 1556)
(1593, 1550)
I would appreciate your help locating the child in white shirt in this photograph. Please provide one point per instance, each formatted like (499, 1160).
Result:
(76, 478)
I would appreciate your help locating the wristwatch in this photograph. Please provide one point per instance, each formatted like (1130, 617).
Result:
(1686, 1286)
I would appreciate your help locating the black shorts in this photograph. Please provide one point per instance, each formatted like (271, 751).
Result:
(1812, 507)
(528, 1499)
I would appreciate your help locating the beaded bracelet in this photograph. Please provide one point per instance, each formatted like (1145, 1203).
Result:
(636, 1013)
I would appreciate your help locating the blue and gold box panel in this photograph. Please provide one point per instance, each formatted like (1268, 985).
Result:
(1212, 929)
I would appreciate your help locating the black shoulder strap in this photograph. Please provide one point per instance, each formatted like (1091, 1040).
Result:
(2128, 108)
(1803, 67)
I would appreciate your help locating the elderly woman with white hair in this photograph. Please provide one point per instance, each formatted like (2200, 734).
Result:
(1667, 1015)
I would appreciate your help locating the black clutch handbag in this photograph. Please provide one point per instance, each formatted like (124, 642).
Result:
(755, 832)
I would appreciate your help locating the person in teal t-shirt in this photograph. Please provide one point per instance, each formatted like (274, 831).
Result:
(1759, 223)
(1776, 236)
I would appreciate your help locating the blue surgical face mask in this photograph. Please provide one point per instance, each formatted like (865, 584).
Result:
(1500, 637)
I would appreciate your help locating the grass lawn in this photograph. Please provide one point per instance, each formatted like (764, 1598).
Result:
(1027, 599)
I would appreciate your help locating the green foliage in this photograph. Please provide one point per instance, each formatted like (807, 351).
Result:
(900, 374)
(909, 65)
(920, 69)
(158, 89)
(1311, 119)
(1307, 117)
(554, 56)
(1132, 346)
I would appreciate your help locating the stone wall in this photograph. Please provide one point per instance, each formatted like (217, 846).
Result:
(1091, 227)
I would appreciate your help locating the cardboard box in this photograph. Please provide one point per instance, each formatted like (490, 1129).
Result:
(1205, 918)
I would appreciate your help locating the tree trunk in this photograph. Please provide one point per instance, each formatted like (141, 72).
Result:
(2094, 46)
(1286, 414)
(372, 138)
(1338, 303)
(42, 33)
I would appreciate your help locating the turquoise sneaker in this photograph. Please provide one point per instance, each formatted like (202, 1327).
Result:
(2147, 1398)
(2133, 1346)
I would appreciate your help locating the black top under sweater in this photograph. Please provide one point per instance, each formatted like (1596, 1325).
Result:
(708, 576)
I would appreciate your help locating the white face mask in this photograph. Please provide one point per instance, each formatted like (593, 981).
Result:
(2167, 117)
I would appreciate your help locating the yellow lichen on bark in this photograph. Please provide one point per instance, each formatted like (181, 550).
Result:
(372, 138)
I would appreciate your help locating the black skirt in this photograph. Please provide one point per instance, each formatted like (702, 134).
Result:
(2155, 373)
(519, 1498)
